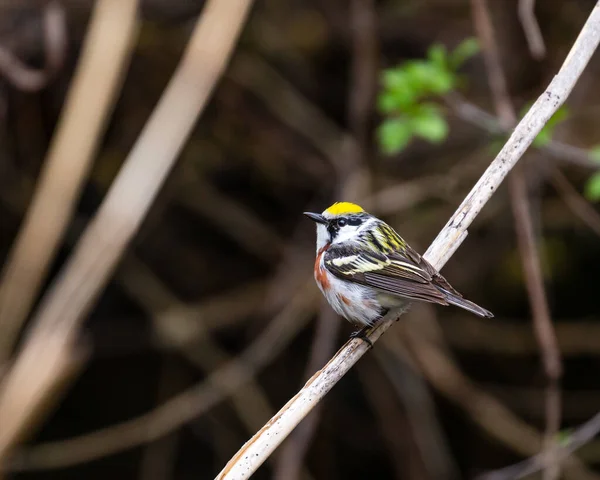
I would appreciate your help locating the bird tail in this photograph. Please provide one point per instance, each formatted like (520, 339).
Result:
(458, 301)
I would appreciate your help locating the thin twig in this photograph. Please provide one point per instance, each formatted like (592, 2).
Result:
(183, 407)
(543, 327)
(530, 258)
(55, 46)
(481, 119)
(397, 429)
(573, 199)
(487, 411)
(293, 108)
(535, 40)
(93, 92)
(511, 338)
(363, 78)
(257, 449)
(29, 382)
(577, 438)
(419, 404)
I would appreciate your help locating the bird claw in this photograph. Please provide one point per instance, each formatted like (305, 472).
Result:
(362, 334)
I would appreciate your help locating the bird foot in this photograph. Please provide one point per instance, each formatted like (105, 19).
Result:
(362, 334)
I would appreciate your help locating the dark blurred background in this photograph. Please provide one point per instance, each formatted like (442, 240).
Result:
(225, 251)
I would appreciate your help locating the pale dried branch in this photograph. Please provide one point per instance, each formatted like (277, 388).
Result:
(102, 244)
(257, 449)
(93, 91)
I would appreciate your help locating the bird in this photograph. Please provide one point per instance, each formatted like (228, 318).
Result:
(364, 269)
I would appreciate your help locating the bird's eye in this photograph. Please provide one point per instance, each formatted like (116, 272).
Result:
(341, 222)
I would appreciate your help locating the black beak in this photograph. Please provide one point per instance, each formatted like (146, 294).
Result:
(316, 217)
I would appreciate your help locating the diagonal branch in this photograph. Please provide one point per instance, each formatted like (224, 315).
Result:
(247, 460)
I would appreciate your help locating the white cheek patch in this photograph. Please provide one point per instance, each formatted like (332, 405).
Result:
(346, 233)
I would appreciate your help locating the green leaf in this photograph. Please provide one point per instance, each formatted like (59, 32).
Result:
(430, 125)
(560, 115)
(392, 77)
(394, 134)
(592, 188)
(438, 55)
(594, 153)
(388, 102)
(426, 78)
(398, 89)
(543, 138)
(465, 50)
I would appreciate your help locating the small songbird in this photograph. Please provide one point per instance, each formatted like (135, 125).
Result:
(364, 268)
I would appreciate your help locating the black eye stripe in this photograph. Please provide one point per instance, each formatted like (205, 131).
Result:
(335, 224)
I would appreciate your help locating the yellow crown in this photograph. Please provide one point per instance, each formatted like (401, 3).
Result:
(342, 208)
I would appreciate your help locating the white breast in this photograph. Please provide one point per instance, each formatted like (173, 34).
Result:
(356, 303)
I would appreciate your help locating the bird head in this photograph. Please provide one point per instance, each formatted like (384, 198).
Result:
(341, 222)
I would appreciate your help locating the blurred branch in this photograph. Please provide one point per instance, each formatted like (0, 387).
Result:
(184, 328)
(479, 118)
(232, 218)
(531, 27)
(102, 244)
(183, 407)
(398, 365)
(105, 55)
(257, 449)
(576, 438)
(363, 77)
(55, 46)
(395, 425)
(573, 199)
(293, 109)
(495, 419)
(526, 240)
(184, 324)
(159, 458)
(575, 337)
